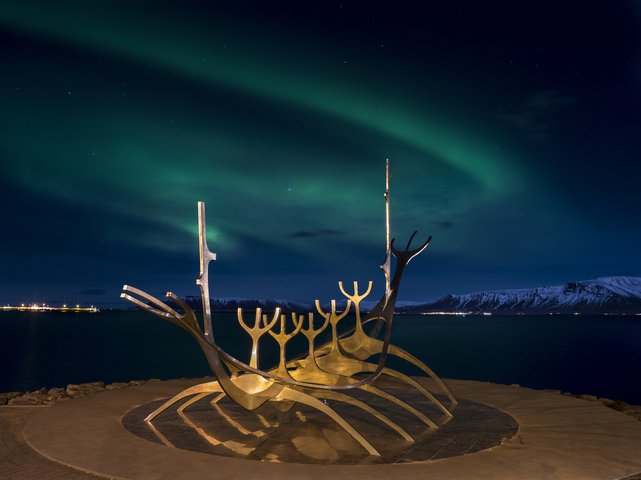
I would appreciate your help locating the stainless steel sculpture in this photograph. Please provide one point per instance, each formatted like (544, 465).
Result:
(325, 372)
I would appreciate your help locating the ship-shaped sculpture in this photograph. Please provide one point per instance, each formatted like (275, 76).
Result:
(326, 372)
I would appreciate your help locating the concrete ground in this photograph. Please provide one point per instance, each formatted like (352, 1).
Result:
(559, 438)
(18, 461)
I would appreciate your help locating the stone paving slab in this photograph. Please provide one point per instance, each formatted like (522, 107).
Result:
(559, 437)
(18, 461)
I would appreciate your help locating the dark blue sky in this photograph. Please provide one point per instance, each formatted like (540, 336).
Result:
(512, 130)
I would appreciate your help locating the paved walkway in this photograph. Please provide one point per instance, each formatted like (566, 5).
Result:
(18, 460)
(559, 438)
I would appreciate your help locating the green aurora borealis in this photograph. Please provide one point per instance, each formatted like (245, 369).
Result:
(516, 148)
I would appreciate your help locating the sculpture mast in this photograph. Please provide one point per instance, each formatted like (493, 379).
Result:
(202, 281)
(386, 264)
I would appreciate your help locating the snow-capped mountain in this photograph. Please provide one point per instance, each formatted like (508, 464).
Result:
(231, 304)
(615, 295)
(620, 295)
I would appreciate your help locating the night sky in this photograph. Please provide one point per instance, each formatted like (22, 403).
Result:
(513, 132)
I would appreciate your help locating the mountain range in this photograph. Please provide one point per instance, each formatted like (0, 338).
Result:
(605, 295)
(231, 304)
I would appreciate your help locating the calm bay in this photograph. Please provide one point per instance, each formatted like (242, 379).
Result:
(599, 355)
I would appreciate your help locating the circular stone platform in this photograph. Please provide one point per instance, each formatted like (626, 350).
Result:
(305, 435)
(557, 437)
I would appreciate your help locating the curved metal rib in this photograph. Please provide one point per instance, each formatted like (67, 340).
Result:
(202, 388)
(300, 397)
(341, 397)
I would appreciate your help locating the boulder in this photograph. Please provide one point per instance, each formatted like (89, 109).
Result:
(617, 405)
(634, 412)
(589, 398)
(115, 386)
(57, 393)
(32, 398)
(80, 390)
(5, 397)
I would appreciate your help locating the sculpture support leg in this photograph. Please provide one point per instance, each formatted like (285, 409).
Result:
(341, 397)
(207, 388)
(300, 397)
(408, 357)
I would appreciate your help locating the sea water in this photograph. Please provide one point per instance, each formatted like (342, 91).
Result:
(599, 355)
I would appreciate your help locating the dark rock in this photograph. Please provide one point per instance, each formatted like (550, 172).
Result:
(115, 386)
(589, 398)
(83, 389)
(617, 405)
(5, 397)
(634, 413)
(57, 393)
(44, 396)
(74, 391)
(96, 386)
(32, 398)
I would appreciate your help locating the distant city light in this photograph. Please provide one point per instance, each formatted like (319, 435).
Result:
(43, 307)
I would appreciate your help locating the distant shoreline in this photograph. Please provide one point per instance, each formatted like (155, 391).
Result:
(46, 308)
(399, 314)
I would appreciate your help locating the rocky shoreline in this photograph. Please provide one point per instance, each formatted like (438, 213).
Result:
(46, 397)
(633, 411)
